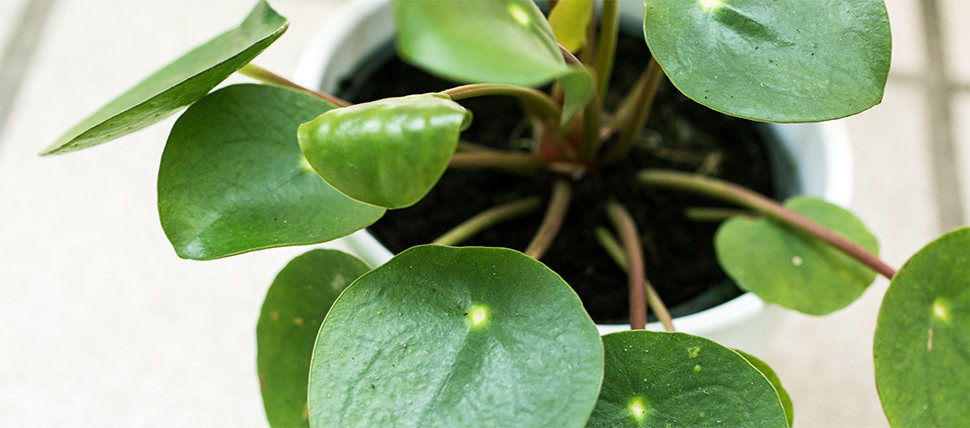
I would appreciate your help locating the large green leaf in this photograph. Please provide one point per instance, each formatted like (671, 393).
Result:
(178, 84)
(389, 152)
(656, 379)
(787, 268)
(488, 41)
(295, 306)
(922, 342)
(232, 177)
(771, 60)
(772, 377)
(451, 337)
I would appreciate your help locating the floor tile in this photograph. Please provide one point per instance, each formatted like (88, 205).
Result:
(955, 14)
(961, 123)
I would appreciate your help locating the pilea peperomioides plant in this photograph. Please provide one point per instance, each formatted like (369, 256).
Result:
(448, 336)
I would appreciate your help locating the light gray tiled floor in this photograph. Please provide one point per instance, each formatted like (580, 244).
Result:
(104, 326)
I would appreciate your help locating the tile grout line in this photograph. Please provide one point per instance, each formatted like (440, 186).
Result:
(17, 53)
(943, 151)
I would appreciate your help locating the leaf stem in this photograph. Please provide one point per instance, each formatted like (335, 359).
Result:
(488, 218)
(552, 221)
(714, 214)
(627, 229)
(743, 197)
(495, 159)
(261, 74)
(618, 254)
(534, 100)
(606, 45)
(635, 110)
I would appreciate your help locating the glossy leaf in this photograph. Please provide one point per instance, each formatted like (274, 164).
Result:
(389, 152)
(779, 61)
(447, 337)
(295, 306)
(922, 342)
(178, 84)
(232, 178)
(772, 377)
(790, 269)
(656, 379)
(569, 19)
(488, 41)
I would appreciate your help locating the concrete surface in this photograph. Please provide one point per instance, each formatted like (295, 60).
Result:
(104, 326)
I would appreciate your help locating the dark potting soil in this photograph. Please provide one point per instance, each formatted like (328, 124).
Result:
(680, 134)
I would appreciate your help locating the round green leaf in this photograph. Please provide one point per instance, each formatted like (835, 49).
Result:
(772, 377)
(922, 343)
(232, 178)
(784, 267)
(178, 84)
(452, 337)
(389, 152)
(295, 306)
(479, 41)
(656, 379)
(489, 41)
(779, 61)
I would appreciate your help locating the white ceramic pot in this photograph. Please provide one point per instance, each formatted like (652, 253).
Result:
(812, 159)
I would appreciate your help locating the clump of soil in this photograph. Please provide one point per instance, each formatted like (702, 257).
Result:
(680, 134)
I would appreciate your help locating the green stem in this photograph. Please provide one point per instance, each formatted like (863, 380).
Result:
(533, 100)
(591, 143)
(713, 214)
(268, 77)
(552, 221)
(743, 197)
(487, 219)
(635, 110)
(606, 48)
(627, 229)
(618, 254)
(495, 159)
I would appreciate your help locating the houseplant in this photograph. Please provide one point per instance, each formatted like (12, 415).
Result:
(503, 364)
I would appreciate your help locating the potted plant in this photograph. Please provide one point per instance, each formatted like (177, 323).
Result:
(806, 159)
(449, 336)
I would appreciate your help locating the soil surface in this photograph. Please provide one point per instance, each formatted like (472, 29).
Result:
(680, 134)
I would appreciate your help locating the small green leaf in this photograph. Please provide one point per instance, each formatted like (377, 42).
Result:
(295, 306)
(922, 343)
(488, 41)
(772, 377)
(787, 268)
(656, 379)
(178, 84)
(452, 337)
(389, 152)
(777, 61)
(569, 19)
(232, 178)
